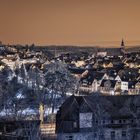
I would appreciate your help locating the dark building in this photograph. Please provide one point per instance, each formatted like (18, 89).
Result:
(98, 117)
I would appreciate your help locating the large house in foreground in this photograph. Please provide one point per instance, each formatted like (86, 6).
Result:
(98, 117)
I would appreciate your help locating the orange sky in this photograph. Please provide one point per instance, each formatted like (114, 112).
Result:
(75, 22)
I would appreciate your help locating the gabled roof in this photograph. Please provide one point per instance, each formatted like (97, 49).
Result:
(69, 105)
(111, 82)
(109, 106)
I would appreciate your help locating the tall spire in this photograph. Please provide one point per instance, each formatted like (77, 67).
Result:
(123, 47)
(122, 43)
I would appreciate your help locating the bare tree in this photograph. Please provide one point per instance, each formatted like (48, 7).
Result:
(58, 82)
(100, 114)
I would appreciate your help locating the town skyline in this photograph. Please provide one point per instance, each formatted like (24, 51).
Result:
(101, 44)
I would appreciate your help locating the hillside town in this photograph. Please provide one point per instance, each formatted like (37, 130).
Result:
(69, 93)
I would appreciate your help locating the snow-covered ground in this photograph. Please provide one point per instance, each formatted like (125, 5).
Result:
(27, 111)
(49, 111)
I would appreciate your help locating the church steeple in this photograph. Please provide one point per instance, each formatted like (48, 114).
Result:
(122, 43)
(123, 47)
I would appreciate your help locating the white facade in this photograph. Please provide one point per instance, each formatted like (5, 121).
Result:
(102, 54)
(124, 86)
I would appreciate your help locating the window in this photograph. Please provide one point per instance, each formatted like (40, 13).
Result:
(69, 137)
(85, 120)
(75, 124)
(124, 121)
(95, 135)
(112, 134)
(120, 121)
(132, 121)
(103, 121)
(96, 121)
(123, 133)
(112, 121)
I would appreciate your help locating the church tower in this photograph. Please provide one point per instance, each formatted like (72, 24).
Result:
(122, 44)
(123, 47)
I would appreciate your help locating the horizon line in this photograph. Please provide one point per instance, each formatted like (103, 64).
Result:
(131, 43)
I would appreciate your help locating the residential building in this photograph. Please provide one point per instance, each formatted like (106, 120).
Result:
(99, 118)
